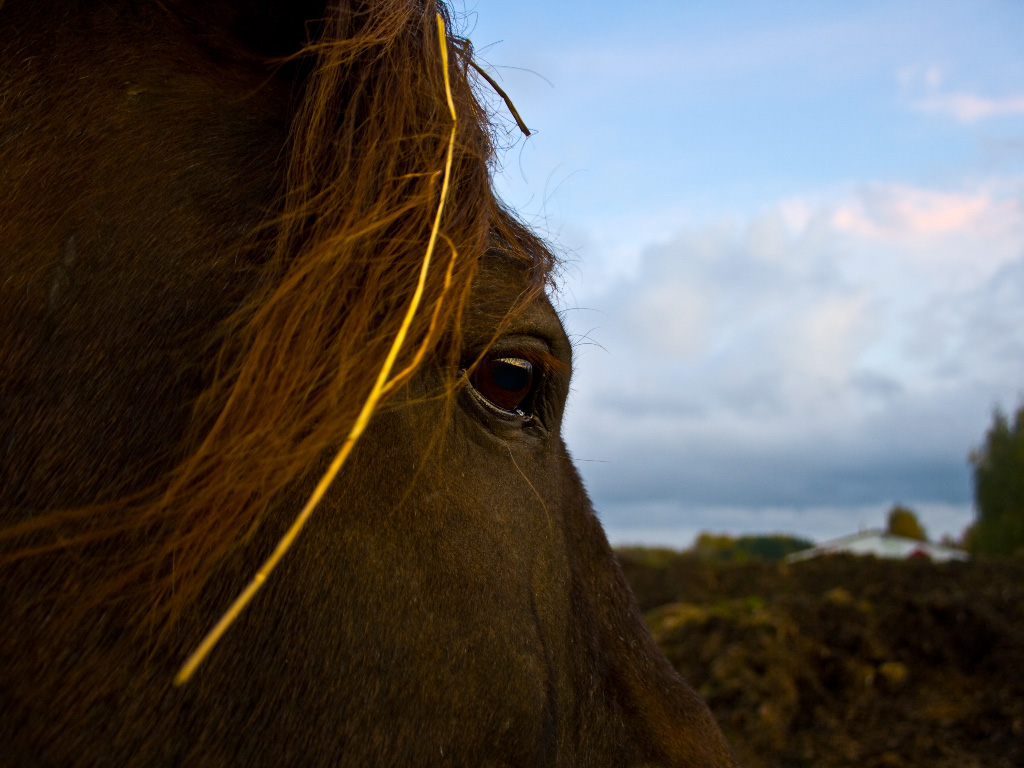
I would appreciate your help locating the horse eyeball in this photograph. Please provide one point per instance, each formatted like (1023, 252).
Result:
(504, 381)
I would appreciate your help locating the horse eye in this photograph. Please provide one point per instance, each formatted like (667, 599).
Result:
(504, 381)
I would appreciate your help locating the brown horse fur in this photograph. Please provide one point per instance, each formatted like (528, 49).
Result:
(213, 217)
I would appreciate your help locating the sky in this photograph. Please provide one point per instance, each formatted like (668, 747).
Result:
(793, 249)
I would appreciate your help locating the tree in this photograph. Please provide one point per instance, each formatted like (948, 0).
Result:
(903, 522)
(998, 527)
(722, 548)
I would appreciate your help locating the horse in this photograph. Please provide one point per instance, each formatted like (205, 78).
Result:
(261, 305)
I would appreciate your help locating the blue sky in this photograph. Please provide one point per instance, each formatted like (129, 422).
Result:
(794, 245)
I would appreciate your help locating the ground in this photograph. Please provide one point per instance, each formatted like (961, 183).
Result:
(846, 661)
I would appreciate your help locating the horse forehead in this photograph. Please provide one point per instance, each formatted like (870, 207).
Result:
(505, 294)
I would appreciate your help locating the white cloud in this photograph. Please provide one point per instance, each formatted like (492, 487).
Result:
(969, 108)
(957, 238)
(929, 76)
(890, 212)
(671, 318)
(827, 354)
(962, 106)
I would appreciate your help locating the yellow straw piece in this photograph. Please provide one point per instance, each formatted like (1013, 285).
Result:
(369, 406)
(397, 380)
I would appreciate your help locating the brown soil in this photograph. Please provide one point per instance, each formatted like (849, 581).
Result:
(848, 661)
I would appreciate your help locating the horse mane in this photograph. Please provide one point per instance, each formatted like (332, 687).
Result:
(336, 262)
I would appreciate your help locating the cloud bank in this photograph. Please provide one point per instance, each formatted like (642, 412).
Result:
(801, 369)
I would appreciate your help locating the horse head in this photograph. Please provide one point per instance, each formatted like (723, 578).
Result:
(254, 272)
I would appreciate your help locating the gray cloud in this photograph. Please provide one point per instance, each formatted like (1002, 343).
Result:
(850, 362)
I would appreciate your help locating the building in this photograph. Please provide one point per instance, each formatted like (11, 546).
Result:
(879, 544)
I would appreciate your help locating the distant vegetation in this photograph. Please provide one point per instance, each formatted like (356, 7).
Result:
(720, 548)
(903, 522)
(998, 465)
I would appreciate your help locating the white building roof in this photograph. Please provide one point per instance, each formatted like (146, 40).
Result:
(880, 544)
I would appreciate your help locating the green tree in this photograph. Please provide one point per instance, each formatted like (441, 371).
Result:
(998, 527)
(722, 548)
(716, 547)
(903, 522)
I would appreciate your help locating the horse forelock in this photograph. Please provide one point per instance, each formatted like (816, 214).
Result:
(335, 262)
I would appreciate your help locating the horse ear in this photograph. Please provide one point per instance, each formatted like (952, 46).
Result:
(276, 28)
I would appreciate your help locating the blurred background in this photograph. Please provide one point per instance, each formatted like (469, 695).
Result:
(793, 243)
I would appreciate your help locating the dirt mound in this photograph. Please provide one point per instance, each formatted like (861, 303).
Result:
(848, 661)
